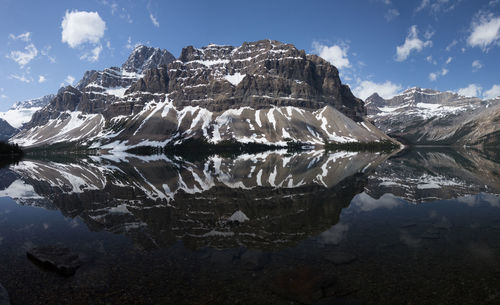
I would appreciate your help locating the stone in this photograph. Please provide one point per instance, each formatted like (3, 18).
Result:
(4, 296)
(338, 301)
(431, 234)
(254, 259)
(340, 258)
(59, 259)
(303, 284)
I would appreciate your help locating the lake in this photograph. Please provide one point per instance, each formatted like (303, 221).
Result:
(418, 227)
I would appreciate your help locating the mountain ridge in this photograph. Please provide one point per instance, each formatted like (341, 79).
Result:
(430, 117)
(264, 92)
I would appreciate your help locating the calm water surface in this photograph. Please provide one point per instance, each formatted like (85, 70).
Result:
(420, 227)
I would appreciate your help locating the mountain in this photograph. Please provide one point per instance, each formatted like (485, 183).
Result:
(263, 92)
(6, 130)
(425, 116)
(21, 112)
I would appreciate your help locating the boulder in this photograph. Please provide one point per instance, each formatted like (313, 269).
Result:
(59, 259)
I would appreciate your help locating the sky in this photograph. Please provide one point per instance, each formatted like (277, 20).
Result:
(383, 46)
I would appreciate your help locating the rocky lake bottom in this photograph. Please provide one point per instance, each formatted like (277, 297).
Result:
(418, 227)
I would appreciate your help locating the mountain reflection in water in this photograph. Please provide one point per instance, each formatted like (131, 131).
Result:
(266, 200)
(313, 216)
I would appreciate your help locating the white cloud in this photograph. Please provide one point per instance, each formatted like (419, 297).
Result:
(423, 5)
(93, 55)
(493, 92)
(449, 60)
(129, 43)
(431, 60)
(429, 33)
(476, 65)
(451, 45)
(434, 75)
(116, 9)
(391, 14)
(485, 31)
(436, 6)
(412, 43)
(335, 54)
(82, 27)
(42, 79)
(154, 20)
(26, 37)
(69, 79)
(23, 58)
(23, 78)
(45, 52)
(471, 90)
(3, 96)
(385, 90)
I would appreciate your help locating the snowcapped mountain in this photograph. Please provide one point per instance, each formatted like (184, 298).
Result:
(263, 92)
(425, 116)
(21, 112)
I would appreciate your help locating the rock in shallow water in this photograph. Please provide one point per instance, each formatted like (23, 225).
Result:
(4, 296)
(59, 259)
(340, 258)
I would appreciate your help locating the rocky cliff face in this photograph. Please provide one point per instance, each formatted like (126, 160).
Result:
(265, 92)
(425, 116)
(6, 131)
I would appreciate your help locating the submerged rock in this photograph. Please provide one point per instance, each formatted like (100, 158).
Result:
(60, 259)
(340, 258)
(4, 296)
(302, 284)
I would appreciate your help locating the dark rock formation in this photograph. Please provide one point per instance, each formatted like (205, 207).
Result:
(258, 74)
(59, 259)
(6, 131)
(262, 92)
(4, 296)
(144, 58)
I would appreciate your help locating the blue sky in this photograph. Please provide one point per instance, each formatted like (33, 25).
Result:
(378, 45)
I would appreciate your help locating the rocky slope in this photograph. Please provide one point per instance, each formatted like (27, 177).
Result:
(6, 130)
(264, 92)
(425, 116)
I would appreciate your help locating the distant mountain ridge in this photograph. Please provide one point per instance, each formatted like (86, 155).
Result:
(21, 112)
(426, 116)
(264, 92)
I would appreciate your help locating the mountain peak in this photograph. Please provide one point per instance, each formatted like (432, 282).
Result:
(144, 57)
(33, 103)
(374, 96)
(418, 90)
